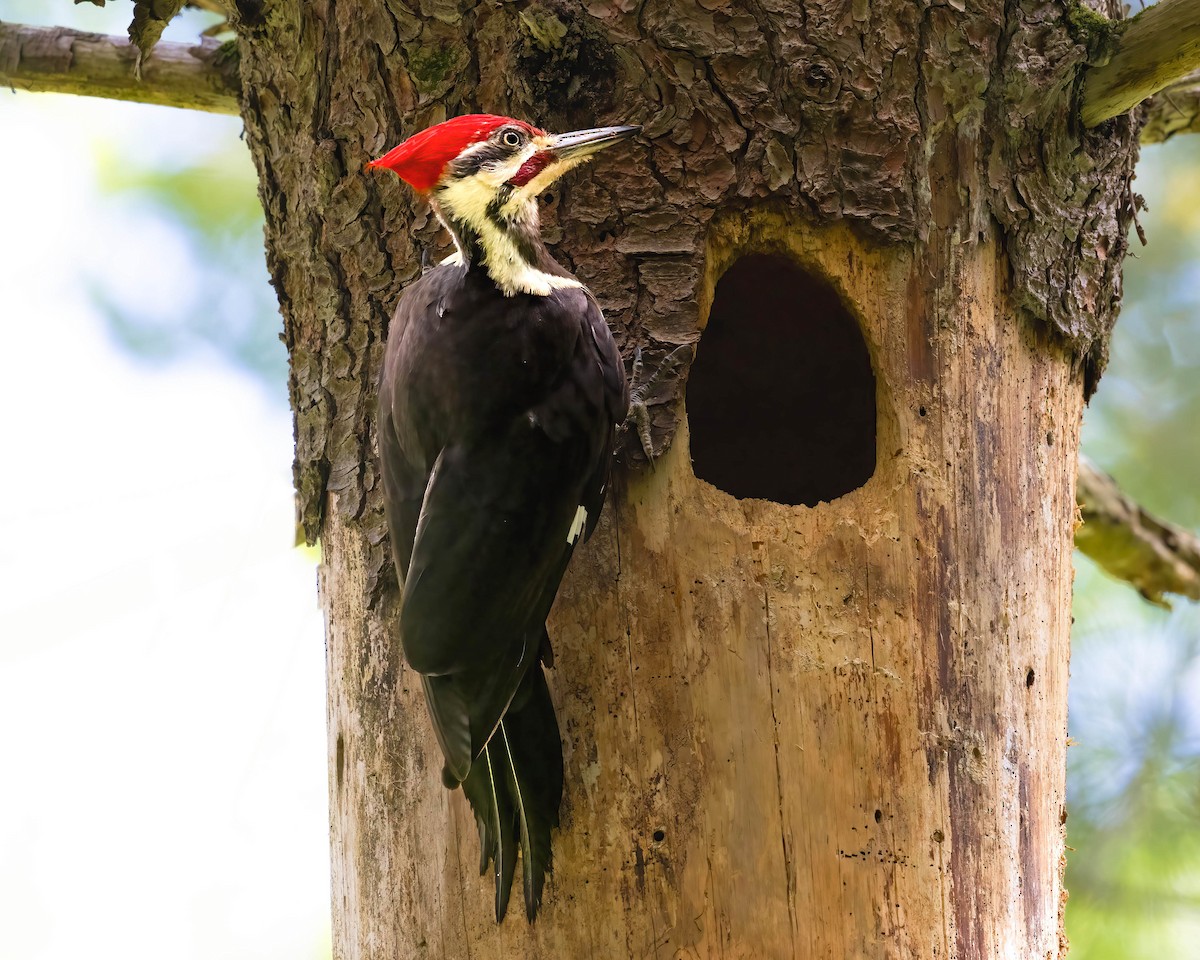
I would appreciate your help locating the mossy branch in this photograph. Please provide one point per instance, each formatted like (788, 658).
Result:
(1153, 556)
(1157, 48)
(202, 76)
(1173, 110)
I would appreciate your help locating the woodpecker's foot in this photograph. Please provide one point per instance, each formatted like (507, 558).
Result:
(639, 412)
(647, 389)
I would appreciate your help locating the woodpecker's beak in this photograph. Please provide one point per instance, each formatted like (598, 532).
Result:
(583, 143)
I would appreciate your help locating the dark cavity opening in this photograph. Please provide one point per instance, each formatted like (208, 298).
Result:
(781, 396)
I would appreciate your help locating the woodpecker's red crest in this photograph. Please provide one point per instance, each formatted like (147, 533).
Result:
(421, 159)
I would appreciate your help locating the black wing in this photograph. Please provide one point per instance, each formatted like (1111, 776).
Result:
(483, 534)
(490, 547)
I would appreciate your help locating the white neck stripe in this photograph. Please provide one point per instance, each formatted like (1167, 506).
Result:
(468, 200)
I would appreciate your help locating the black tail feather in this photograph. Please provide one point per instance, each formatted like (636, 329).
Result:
(503, 827)
(497, 821)
(515, 788)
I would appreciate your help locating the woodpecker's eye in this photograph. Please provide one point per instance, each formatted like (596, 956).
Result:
(510, 138)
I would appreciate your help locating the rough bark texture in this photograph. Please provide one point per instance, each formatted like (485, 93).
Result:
(815, 732)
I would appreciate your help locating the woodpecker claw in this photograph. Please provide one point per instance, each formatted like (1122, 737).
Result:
(635, 375)
(647, 389)
(639, 413)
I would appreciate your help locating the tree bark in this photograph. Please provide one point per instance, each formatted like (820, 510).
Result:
(828, 731)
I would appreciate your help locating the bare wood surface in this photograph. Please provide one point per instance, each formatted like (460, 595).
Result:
(1155, 49)
(201, 76)
(1174, 109)
(1131, 544)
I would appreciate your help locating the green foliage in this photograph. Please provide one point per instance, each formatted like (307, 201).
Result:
(1134, 875)
(1141, 427)
(212, 194)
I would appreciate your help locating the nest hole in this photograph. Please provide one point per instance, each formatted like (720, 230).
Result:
(781, 396)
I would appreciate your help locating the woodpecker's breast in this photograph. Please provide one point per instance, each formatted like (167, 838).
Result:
(465, 359)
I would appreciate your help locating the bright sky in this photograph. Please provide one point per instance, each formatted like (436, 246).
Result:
(162, 660)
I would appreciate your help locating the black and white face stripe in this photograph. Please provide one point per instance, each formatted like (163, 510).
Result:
(497, 150)
(494, 219)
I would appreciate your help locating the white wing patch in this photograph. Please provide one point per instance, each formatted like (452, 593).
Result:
(577, 525)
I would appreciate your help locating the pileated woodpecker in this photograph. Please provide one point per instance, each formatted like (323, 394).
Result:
(499, 399)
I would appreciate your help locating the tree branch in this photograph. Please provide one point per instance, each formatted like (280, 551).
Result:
(1176, 109)
(1156, 48)
(202, 76)
(1151, 555)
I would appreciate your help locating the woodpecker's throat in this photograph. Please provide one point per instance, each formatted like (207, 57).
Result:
(491, 210)
(502, 234)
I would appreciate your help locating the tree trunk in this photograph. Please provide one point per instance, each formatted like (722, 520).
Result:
(824, 730)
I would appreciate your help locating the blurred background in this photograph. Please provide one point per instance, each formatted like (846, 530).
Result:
(162, 689)
(161, 651)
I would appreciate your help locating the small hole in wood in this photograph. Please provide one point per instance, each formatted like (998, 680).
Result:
(660, 836)
(781, 396)
(1029, 678)
(340, 760)
(878, 816)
